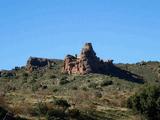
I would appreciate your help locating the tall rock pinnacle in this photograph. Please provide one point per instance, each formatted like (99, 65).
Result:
(86, 62)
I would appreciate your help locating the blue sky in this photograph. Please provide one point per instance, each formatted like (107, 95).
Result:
(124, 30)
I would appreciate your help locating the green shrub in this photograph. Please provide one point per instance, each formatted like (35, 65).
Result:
(63, 78)
(41, 109)
(35, 87)
(106, 83)
(63, 81)
(52, 76)
(92, 85)
(35, 75)
(61, 103)
(25, 74)
(55, 114)
(32, 81)
(55, 89)
(98, 94)
(74, 88)
(84, 88)
(73, 113)
(147, 102)
(59, 112)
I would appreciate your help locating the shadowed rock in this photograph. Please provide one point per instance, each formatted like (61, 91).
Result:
(88, 62)
(35, 63)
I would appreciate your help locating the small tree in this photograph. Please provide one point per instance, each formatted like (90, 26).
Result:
(58, 113)
(60, 103)
(41, 109)
(147, 102)
(106, 83)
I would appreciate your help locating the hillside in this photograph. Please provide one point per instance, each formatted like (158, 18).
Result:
(97, 96)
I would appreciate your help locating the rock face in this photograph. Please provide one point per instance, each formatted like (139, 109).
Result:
(35, 63)
(87, 62)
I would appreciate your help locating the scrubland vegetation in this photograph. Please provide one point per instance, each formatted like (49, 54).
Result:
(50, 95)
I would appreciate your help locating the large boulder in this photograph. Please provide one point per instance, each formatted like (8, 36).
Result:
(35, 63)
(86, 62)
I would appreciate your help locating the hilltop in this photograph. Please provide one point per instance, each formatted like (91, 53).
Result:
(97, 89)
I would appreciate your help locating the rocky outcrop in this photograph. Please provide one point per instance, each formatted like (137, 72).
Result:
(86, 62)
(35, 63)
(7, 73)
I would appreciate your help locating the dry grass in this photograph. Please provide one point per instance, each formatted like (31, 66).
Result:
(23, 99)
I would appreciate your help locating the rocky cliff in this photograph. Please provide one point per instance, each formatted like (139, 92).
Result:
(86, 62)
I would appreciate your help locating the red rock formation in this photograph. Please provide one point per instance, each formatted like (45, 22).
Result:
(87, 62)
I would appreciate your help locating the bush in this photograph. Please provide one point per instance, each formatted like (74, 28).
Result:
(74, 88)
(61, 103)
(63, 78)
(98, 94)
(84, 88)
(92, 85)
(55, 89)
(32, 81)
(146, 102)
(35, 87)
(41, 109)
(52, 76)
(74, 113)
(63, 81)
(106, 83)
(59, 112)
(25, 74)
(55, 114)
